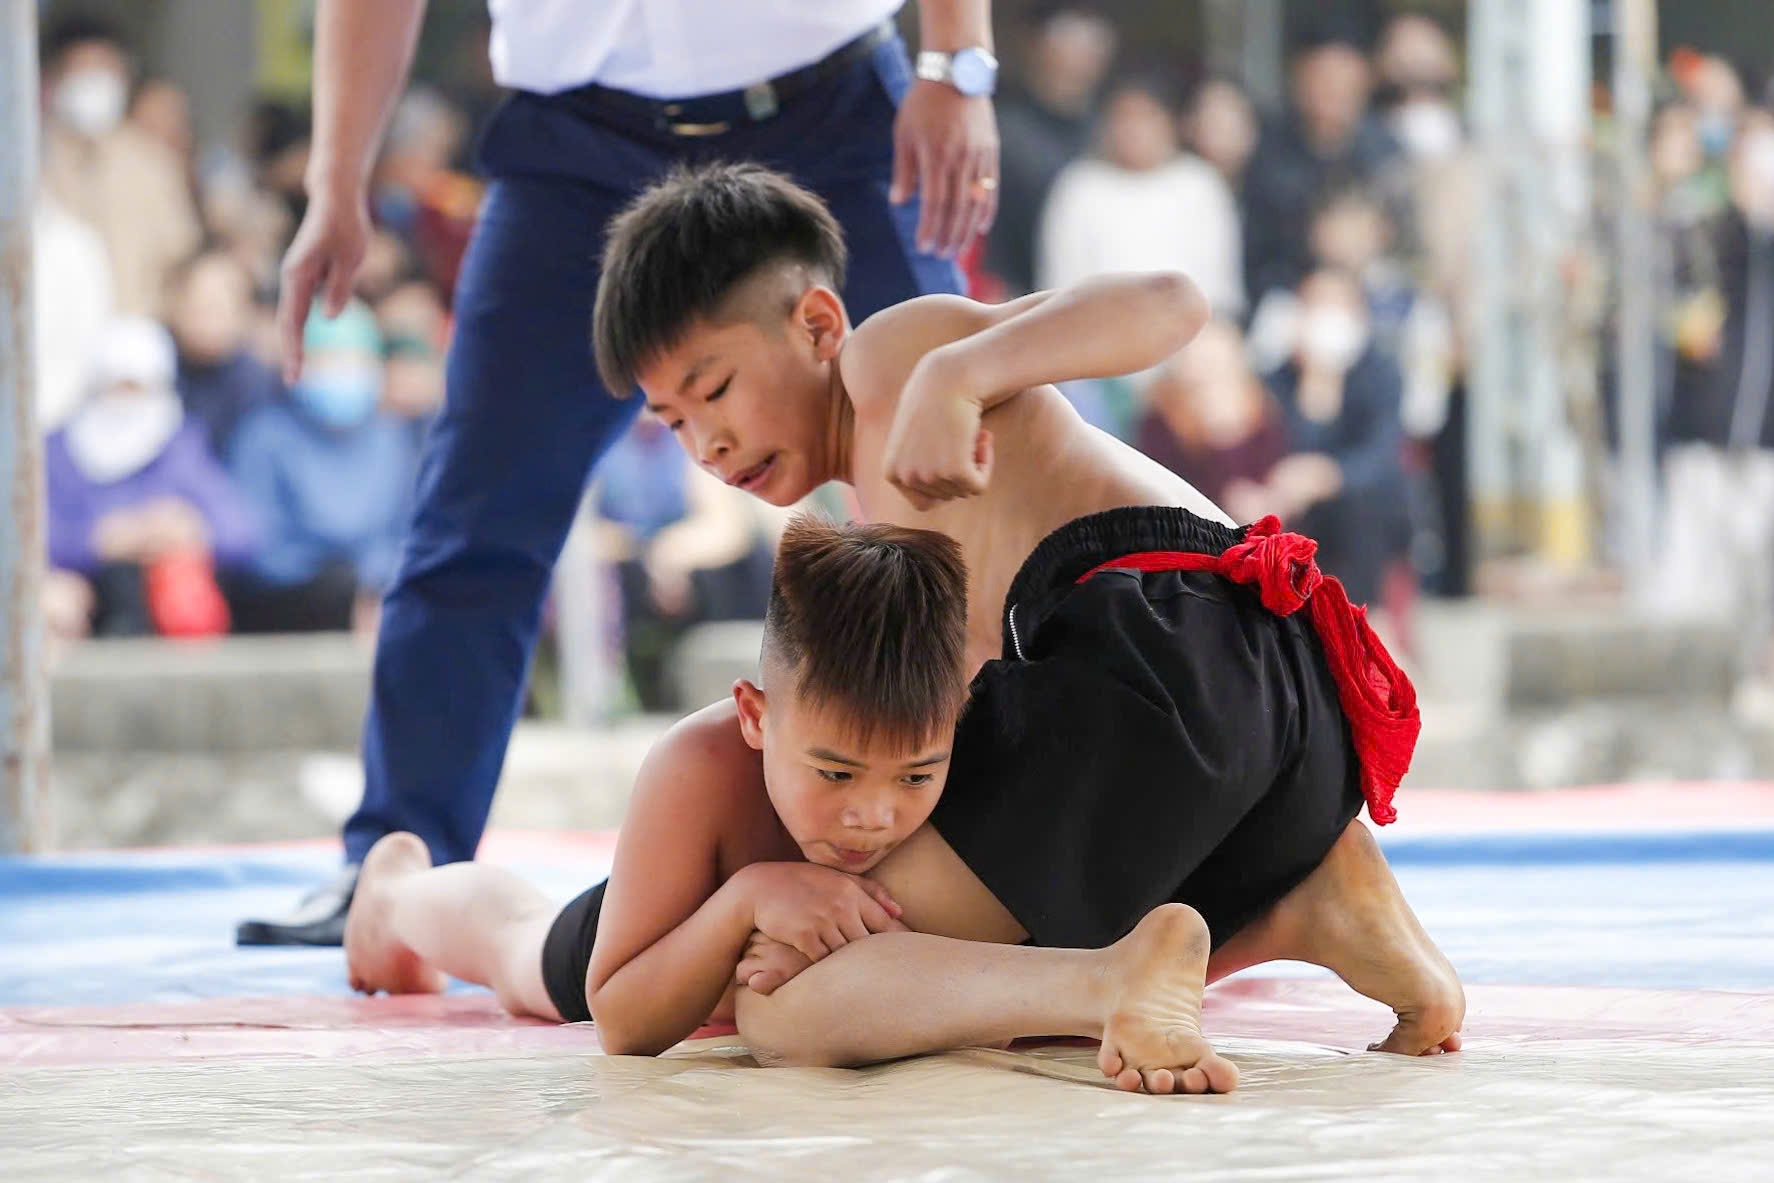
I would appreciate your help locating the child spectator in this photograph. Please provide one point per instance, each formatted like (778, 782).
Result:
(331, 475)
(138, 508)
(219, 379)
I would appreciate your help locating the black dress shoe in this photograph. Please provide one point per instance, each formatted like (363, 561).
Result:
(318, 920)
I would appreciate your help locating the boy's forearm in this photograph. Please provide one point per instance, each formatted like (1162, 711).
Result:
(1101, 328)
(362, 51)
(670, 988)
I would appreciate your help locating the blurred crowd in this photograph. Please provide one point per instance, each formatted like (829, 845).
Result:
(191, 492)
(1328, 238)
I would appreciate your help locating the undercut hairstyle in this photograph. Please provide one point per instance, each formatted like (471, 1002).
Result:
(870, 622)
(685, 245)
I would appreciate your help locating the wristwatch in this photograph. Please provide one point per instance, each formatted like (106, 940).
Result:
(972, 71)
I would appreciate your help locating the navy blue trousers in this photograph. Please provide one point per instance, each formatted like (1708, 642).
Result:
(525, 417)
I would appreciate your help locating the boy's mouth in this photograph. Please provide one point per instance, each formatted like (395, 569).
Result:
(752, 479)
(853, 858)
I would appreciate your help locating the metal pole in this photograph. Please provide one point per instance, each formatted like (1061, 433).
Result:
(1635, 51)
(24, 710)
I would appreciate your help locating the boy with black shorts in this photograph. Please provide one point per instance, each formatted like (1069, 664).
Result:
(1173, 722)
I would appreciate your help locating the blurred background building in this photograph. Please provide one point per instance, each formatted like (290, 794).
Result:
(1494, 287)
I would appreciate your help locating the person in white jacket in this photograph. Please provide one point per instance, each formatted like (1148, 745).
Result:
(1143, 204)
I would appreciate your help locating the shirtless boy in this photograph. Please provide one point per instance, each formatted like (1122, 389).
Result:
(751, 817)
(1144, 729)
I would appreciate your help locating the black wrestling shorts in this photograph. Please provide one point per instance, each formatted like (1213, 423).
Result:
(1146, 737)
(566, 954)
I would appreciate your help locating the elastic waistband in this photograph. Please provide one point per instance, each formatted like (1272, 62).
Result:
(1055, 564)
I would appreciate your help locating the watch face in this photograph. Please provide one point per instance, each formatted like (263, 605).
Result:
(973, 72)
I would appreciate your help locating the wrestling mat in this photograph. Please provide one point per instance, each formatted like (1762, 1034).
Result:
(1617, 945)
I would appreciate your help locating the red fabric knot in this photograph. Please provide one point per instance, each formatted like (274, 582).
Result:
(1283, 566)
(1377, 697)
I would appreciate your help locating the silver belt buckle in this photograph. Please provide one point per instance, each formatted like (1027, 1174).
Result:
(760, 102)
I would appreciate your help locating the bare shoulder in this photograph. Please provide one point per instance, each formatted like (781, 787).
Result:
(699, 764)
(881, 351)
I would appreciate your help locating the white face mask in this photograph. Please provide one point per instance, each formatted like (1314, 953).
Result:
(116, 434)
(1428, 130)
(1331, 338)
(91, 101)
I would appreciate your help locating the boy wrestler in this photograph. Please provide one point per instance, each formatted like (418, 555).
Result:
(1165, 708)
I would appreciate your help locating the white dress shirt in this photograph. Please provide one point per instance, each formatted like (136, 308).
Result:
(669, 49)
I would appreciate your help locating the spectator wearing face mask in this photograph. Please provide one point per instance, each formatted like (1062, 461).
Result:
(219, 380)
(112, 175)
(1344, 484)
(1713, 89)
(139, 511)
(330, 475)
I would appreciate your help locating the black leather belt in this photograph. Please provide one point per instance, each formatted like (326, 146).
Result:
(713, 114)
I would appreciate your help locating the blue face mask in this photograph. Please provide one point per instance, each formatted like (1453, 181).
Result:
(340, 395)
(1715, 134)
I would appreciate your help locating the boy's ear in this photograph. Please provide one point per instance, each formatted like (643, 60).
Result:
(820, 314)
(750, 701)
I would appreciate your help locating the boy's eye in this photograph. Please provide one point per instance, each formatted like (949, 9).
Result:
(834, 776)
(718, 391)
(675, 427)
(918, 780)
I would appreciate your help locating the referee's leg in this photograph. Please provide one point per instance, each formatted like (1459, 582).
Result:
(504, 467)
(525, 418)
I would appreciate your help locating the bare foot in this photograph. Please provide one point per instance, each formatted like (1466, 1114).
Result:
(1350, 917)
(373, 957)
(1152, 1039)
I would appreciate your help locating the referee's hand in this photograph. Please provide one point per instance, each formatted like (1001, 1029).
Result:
(945, 149)
(323, 259)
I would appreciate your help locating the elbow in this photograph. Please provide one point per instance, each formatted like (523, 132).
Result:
(616, 1035)
(778, 1035)
(1180, 306)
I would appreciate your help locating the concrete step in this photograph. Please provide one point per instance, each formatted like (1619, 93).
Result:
(233, 694)
(1514, 657)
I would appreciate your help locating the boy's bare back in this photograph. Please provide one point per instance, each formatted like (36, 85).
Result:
(1049, 465)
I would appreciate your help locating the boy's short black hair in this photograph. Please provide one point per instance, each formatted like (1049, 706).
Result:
(682, 247)
(871, 620)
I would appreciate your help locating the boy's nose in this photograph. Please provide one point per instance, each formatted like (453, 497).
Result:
(715, 448)
(869, 817)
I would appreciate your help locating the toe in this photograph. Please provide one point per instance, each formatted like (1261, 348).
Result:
(1159, 1080)
(1195, 1081)
(1128, 1081)
(1222, 1074)
(1109, 1060)
(1453, 1043)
